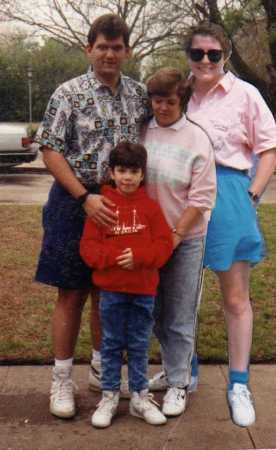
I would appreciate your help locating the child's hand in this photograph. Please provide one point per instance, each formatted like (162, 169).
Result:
(125, 260)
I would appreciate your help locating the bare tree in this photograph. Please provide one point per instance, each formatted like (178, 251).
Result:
(250, 24)
(254, 15)
(152, 23)
(159, 25)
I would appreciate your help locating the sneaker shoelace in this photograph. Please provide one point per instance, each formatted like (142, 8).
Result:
(159, 376)
(63, 388)
(174, 393)
(242, 394)
(148, 401)
(104, 404)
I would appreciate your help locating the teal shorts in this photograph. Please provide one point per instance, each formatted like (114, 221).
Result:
(233, 231)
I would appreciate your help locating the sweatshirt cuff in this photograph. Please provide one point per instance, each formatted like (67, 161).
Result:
(138, 256)
(112, 255)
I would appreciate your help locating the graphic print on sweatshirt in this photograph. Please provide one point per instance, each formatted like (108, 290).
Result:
(128, 221)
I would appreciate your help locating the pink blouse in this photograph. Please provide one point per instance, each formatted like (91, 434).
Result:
(237, 120)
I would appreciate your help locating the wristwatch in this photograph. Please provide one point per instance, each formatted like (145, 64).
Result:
(81, 199)
(254, 197)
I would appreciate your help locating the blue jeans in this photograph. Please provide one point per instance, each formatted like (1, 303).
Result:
(127, 321)
(176, 309)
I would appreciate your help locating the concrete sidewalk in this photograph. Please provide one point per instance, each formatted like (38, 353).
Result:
(26, 424)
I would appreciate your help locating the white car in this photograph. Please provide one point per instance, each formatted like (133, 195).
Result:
(16, 145)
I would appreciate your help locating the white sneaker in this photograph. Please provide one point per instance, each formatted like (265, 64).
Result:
(143, 406)
(174, 402)
(94, 377)
(62, 403)
(241, 406)
(158, 382)
(106, 409)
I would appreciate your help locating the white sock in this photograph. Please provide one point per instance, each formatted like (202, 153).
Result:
(95, 357)
(64, 363)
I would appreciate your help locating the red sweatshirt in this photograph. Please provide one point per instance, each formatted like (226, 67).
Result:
(140, 226)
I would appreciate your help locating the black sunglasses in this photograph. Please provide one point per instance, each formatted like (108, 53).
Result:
(197, 54)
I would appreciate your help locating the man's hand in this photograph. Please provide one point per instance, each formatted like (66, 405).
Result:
(99, 209)
(125, 260)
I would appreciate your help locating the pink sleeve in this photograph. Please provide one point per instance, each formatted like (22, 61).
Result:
(202, 192)
(260, 123)
(160, 249)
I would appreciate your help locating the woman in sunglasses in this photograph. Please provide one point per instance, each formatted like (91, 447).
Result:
(240, 124)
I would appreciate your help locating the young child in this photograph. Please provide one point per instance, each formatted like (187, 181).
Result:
(126, 258)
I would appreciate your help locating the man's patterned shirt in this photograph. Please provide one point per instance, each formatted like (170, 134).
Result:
(84, 121)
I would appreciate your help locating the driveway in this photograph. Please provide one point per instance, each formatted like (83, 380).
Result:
(26, 183)
(30, 183)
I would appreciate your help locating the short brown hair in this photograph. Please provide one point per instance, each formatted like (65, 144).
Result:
(209, 29)
(168, 81)
(127, 154)
(111, 26)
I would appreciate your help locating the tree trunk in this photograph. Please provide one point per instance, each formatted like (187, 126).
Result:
(267, 89)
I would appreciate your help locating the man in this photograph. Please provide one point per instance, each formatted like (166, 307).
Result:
(85, 118)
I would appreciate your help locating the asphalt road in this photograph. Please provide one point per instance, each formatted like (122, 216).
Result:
(24, 187)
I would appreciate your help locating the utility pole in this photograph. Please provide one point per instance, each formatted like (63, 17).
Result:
(30, 79)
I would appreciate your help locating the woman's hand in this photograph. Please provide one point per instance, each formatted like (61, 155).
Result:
(176, 240)
(125, 260)
(264, 171)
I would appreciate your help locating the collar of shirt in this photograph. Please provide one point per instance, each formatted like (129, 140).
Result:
(225, 82)
(98, 85)
(174, 126)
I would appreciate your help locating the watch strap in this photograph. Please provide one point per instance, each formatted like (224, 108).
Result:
(253, 196)
(81, 199)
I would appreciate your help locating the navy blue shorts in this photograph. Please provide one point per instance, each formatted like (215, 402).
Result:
(233, 231)
(60, 263)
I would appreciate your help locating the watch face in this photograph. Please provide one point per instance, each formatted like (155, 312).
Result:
(254, 197)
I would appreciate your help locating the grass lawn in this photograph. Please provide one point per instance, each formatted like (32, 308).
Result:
(26, 307)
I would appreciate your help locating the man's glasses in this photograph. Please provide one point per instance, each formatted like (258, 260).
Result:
(197, 54)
